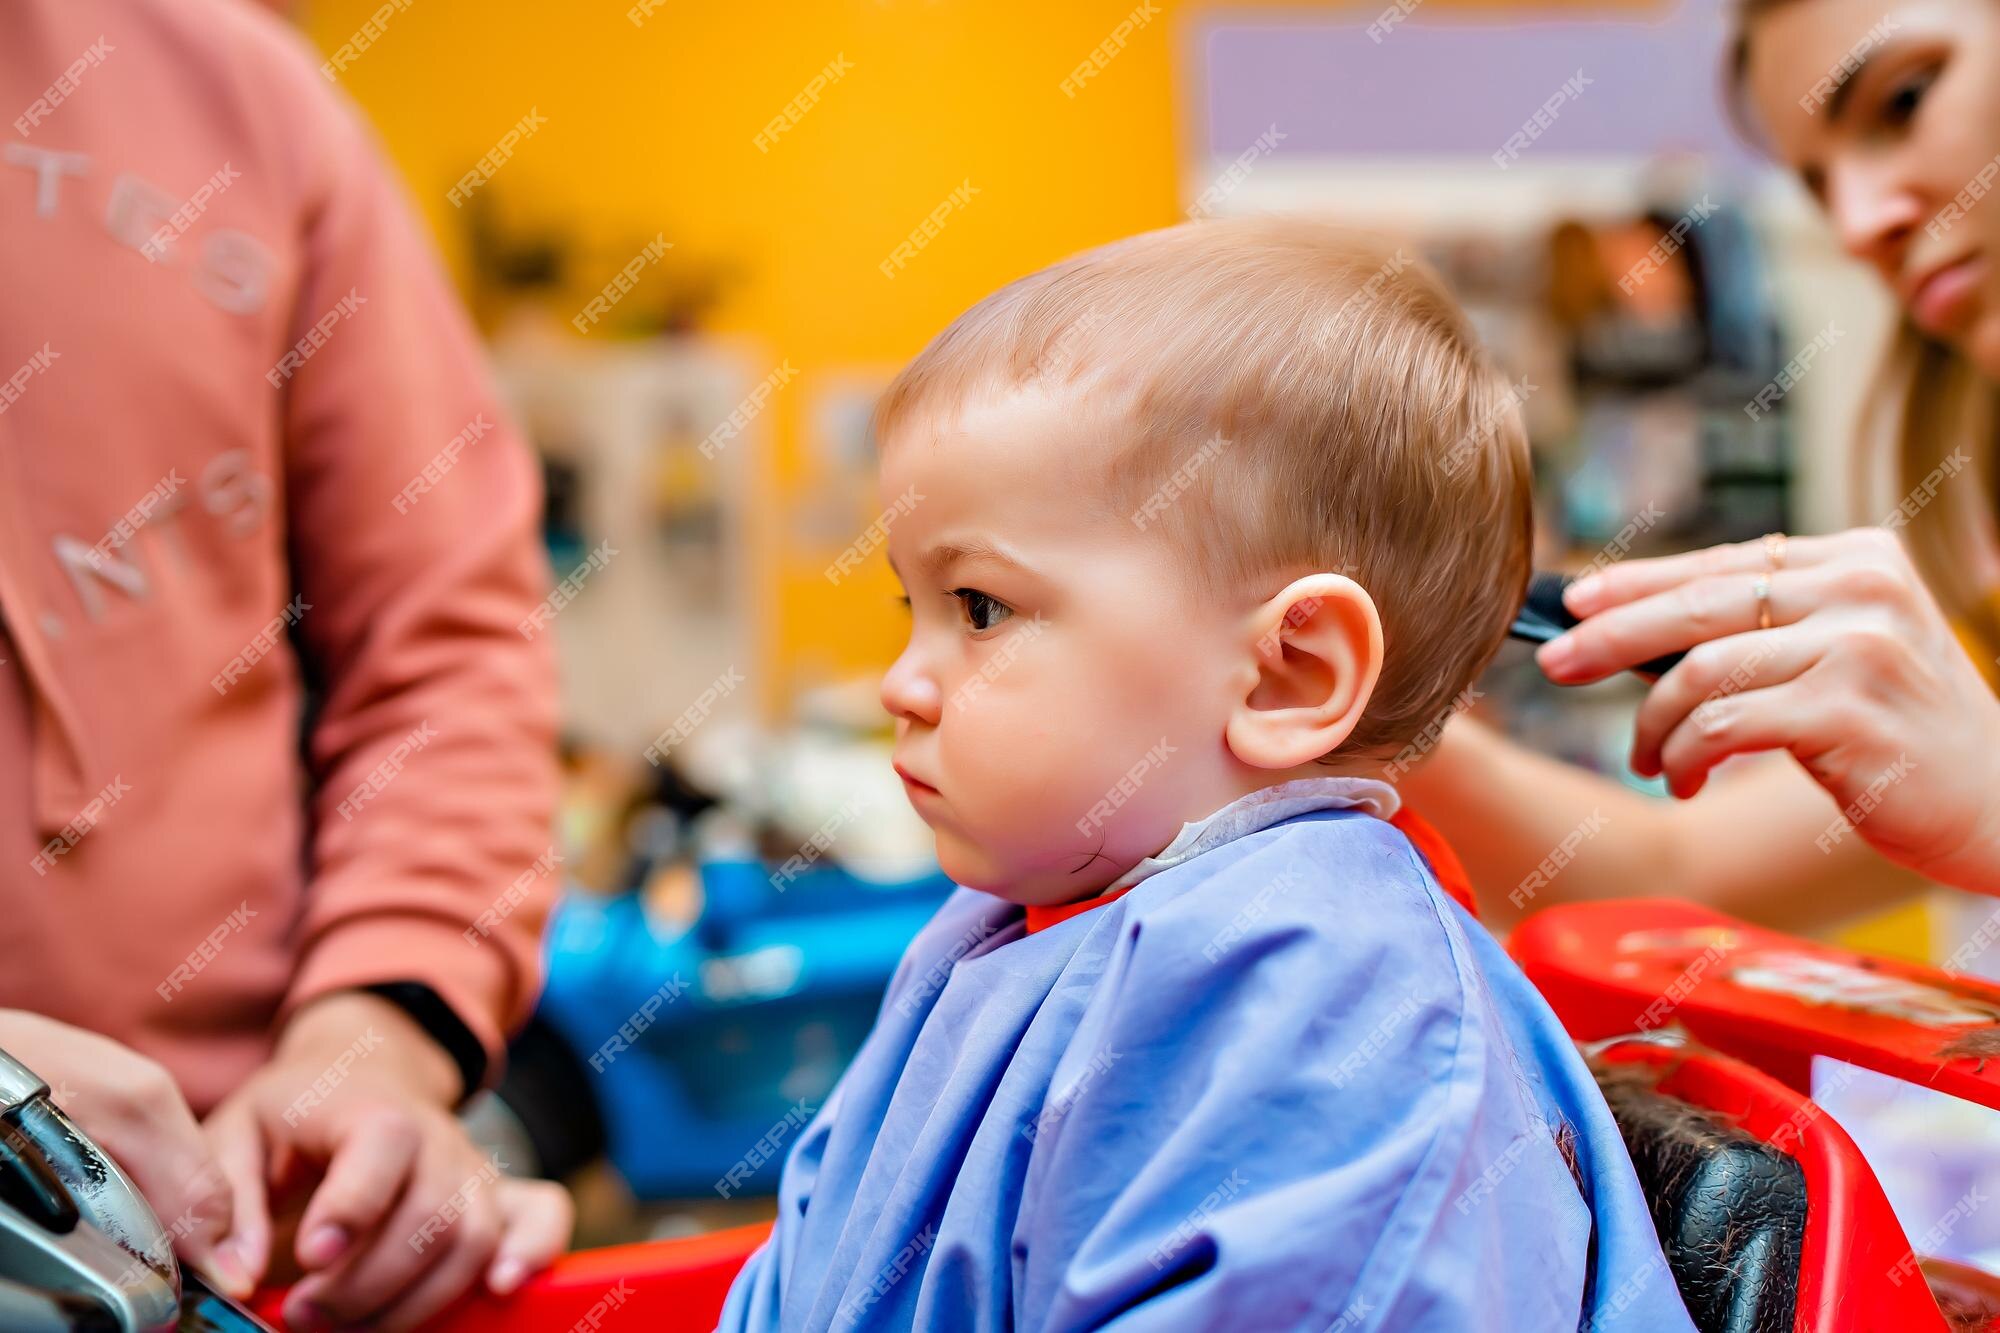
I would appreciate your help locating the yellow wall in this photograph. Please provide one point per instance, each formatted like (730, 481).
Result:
(649, 129)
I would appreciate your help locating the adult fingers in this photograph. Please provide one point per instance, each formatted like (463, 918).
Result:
(537, 1215)
(1629, 580)
(1747, 723)
(242, 1249)
(438, 1217)
(441, 1280)
(141, 1120)
(1714, 671)
(1677, 619)
(371, 1154)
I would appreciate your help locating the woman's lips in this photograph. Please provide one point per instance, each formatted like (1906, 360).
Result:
(1946, 298)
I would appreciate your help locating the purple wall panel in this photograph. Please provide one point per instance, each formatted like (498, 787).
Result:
(1454, 83)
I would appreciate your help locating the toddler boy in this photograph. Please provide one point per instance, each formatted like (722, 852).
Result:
(1201, 526)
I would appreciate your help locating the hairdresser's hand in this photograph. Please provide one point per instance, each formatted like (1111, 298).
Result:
(405, 1214)
(1860, 677)
(131, 1108)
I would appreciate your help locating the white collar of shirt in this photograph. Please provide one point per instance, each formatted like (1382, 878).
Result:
(1261, 809)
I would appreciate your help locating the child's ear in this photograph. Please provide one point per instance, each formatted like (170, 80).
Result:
(1316, 649)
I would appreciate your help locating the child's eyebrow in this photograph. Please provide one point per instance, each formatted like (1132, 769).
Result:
(940, 558)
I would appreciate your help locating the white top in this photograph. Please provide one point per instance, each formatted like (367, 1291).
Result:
(1261, 809)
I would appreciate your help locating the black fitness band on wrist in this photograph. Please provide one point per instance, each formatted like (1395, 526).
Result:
(443, 1026)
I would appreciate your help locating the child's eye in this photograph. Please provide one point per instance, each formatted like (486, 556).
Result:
(981, 612)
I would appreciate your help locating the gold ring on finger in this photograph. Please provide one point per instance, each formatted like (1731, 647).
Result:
(1761, 589)
(1774, 551)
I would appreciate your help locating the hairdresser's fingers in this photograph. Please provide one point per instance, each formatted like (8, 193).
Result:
(1677, 619)
(438, 1284)
(375, 1150)
(1629, 580)
(538, 1216)
(1783, 717)
(240, 1151)
(1713, 672)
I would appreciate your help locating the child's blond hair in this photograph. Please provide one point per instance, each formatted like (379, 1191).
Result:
(1285, 396)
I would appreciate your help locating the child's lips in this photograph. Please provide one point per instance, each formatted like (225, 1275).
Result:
(915, 784)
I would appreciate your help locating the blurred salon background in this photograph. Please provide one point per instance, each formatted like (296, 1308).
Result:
(698, 240)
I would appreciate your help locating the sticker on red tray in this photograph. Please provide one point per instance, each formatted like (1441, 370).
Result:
(1814, 979)
(1677, 940)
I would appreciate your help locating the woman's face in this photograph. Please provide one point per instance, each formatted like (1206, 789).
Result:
(1889, 110)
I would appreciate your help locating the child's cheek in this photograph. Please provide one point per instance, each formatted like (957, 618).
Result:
(1021, 762)
(1011, 764)
(1060, 763)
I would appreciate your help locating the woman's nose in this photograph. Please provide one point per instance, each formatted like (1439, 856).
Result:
(911, 691)
(1875, 214)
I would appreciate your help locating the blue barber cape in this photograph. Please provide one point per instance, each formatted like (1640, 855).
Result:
(1285, 1084)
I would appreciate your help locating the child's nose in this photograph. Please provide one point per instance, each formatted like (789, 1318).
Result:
(910, 691)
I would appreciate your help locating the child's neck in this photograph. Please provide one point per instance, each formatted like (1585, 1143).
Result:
(1247, 782)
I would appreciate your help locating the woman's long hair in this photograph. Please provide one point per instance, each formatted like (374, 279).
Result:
(1925, 461)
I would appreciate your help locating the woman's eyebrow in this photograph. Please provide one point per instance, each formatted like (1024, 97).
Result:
(1836, 101)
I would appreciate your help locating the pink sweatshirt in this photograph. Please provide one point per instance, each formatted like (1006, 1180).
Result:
(238, 404)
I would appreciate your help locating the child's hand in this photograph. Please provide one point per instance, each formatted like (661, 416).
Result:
(406, 1213)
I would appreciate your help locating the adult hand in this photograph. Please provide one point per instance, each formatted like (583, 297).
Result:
(406, 1213)
(1859, 677)
(131, 1108)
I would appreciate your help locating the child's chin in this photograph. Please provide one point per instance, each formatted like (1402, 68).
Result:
(966, 865)
(969, 867)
